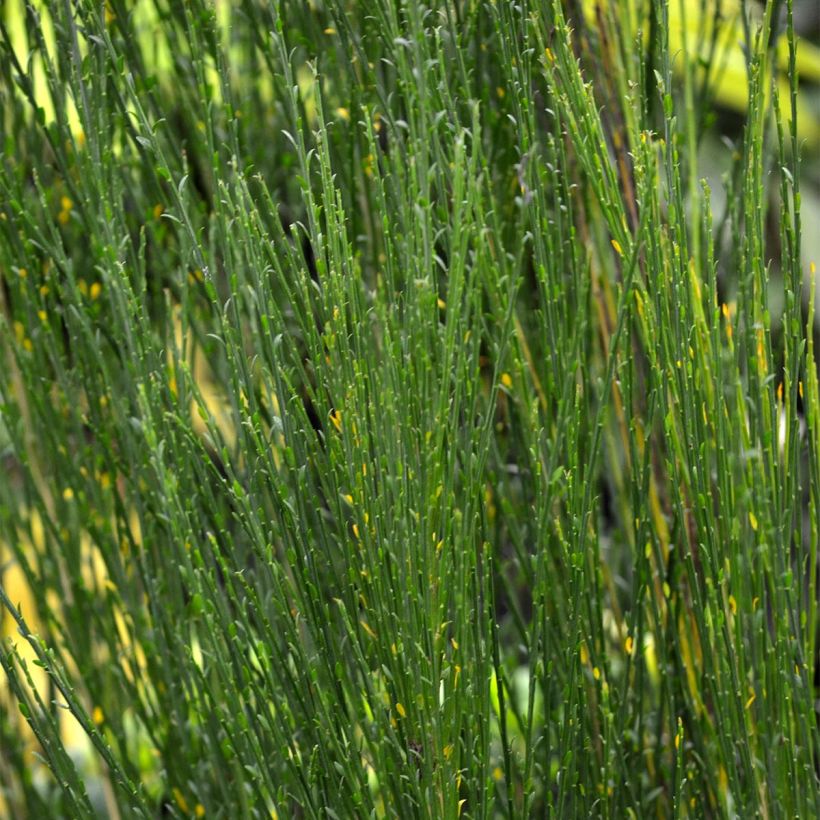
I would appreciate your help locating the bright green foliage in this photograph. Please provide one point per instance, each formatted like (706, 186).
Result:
(389, 427)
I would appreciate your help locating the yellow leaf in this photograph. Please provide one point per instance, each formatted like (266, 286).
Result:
(180, 800)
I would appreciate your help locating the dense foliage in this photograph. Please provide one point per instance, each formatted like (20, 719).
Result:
(390, 424)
